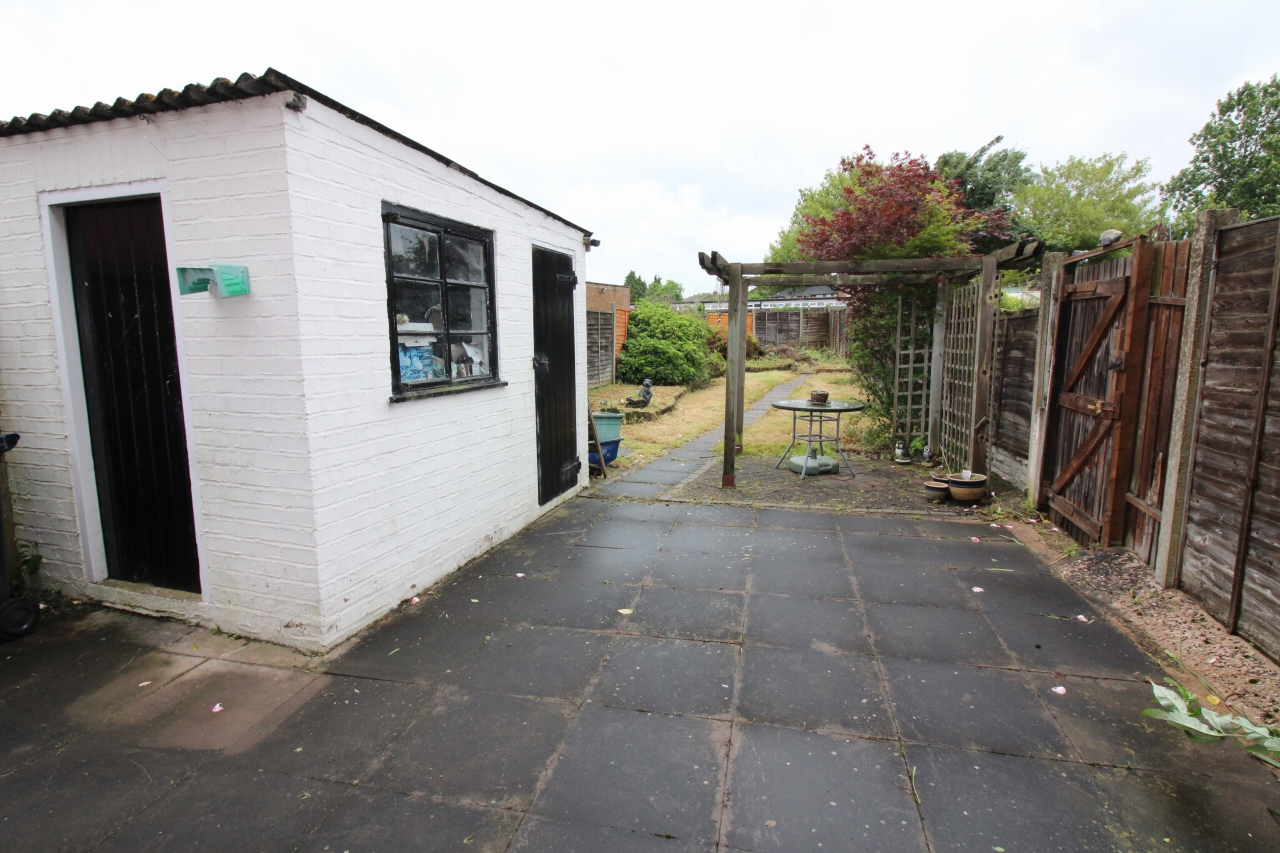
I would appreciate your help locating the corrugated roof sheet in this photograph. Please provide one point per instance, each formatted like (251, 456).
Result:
(222, 89)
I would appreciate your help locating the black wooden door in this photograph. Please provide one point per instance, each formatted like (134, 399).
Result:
(554, 387)
(124, 314)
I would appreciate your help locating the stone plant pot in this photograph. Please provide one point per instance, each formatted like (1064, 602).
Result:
(968, 490)
(937, 491)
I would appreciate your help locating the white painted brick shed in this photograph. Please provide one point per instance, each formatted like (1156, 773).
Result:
(329, 480)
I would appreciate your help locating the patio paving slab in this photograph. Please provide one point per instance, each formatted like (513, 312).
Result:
(480, 747)
(545, 835)
(810, 689)
(543, 662)
(791, 520)
(973, 708)
(942, 634)
(1102, 718)
(648, 773)
(806, 623)
(395, 823)
(810, 547)
(616, 565)
(688, 614)
(910, 583)
(710, 539)
(425, 645)
(797, 790)
(975, 801)
(1054, 644)
(783, 576)
(340, 732)
(670, 676)
(625, 489)
(724, 516)
(99, 785)
(638, 535)
(1189, 814)
(699, 571)
(669, 477)
(227, 807)
(633, 511)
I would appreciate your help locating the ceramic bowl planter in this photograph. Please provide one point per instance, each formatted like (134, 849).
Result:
(969, 489)
(937, 491)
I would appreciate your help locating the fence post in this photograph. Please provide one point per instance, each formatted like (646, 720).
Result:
(1173, 509)
(936, 367)
(1050, 281)
(613, 342)
(986, 309)
(740, 423)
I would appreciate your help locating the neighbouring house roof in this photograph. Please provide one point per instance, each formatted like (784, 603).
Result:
(245, 86)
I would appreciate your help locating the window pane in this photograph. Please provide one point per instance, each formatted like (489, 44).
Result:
(418, 310)
(421, 360)
(468, 309)
(463, 260)
(414, 252)
(470, 355)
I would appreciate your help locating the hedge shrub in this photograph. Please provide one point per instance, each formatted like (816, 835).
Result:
(665, 346)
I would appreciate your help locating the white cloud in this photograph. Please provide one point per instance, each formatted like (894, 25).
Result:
(674, 127)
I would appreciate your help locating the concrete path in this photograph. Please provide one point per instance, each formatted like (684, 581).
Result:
(637, 677)
(664, 477)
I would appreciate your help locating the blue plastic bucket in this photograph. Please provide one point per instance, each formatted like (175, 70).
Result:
(610, 449)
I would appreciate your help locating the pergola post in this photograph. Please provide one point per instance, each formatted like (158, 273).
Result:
(982, 364)
(936, 367)
(735, 366)
(740, 426)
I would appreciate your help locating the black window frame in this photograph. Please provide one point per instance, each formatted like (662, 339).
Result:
(393, 214)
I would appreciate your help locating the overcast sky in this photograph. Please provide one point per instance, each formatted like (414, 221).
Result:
(673, 127)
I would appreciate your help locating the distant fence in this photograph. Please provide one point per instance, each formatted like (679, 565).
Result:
(600, 348)
(803, 328)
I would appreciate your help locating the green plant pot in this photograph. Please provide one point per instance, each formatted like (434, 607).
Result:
(608, 426)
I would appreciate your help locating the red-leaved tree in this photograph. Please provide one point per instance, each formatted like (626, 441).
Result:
(900, 209)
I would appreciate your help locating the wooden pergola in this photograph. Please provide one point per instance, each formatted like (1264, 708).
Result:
(847, 276)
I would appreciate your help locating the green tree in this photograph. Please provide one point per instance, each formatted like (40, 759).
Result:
(668, 291)
(987, 179)
(637, 285)
(668, 347)
(1069, 204)
(1237, 159)
(815, 203)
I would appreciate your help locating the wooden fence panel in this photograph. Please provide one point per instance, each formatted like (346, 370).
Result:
(1011, 393)
(1230, 554)
(600, 351)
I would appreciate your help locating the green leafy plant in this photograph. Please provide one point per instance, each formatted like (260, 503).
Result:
(1180, 709)
(29, 562)
(917, 445)
(666, 346)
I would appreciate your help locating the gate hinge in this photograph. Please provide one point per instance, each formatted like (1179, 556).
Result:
(567, 279)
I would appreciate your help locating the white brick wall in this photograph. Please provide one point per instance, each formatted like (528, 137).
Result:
(406, 492)
(320, 503)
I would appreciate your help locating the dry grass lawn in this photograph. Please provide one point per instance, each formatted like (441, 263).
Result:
(694, 414)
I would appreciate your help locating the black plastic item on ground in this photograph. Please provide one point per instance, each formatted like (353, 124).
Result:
(18, 616)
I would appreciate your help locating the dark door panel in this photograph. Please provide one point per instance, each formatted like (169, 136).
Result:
(555, 388)
(124, 316)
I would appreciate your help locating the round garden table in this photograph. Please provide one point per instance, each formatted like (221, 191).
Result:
(816, 416)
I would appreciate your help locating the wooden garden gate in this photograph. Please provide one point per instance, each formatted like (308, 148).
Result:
(1099, 335)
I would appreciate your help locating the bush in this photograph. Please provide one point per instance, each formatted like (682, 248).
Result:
(716, 365)
(664, 362)
(719, 342)
(667, 347)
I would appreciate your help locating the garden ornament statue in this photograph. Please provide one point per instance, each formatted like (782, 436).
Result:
(928, 455)
(900, 453)
(642, 397)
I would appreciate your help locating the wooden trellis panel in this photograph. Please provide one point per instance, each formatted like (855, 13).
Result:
(911, 372)
(958, 367)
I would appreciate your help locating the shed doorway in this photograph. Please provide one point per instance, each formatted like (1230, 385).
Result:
(133, 395)
(555, 388)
